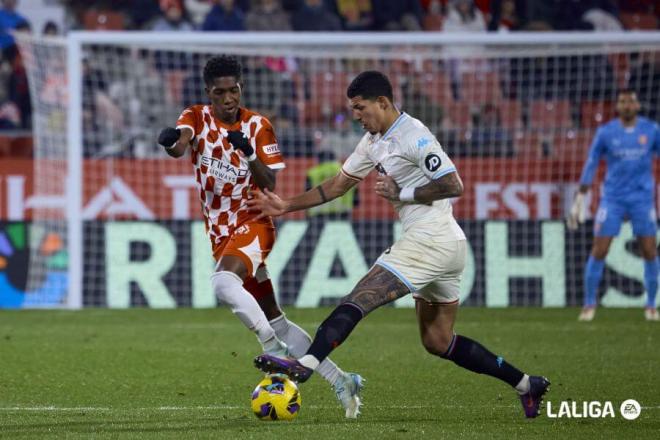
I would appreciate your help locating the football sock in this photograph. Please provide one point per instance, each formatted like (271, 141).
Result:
(309, 361)
(298, 341)
(334, 330)
(523, 385)
(651, 281)
(228, 287)
(593, 272)
(473, 356)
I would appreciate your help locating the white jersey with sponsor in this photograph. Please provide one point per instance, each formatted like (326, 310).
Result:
(410, 154)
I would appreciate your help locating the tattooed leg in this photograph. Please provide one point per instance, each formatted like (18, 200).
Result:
(378, 287)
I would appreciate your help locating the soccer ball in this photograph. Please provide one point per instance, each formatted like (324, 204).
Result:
(276, 398)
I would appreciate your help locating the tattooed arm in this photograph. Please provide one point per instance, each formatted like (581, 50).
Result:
(447, 186)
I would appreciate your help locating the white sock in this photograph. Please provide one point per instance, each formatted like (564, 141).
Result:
(309, 361)
(228, 287)
(298, 341)
(523, 385)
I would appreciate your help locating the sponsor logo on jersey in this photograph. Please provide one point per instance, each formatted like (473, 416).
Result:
(223, 170)
(271, 149)
(380, 169)
(432, 162)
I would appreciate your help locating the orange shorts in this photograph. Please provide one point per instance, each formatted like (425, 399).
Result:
(251, 242)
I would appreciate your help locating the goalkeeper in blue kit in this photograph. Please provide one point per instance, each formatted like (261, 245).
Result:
(628, 144)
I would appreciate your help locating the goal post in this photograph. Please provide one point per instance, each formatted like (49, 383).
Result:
(515, 111)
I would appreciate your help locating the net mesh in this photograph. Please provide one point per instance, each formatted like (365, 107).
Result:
(517, 120)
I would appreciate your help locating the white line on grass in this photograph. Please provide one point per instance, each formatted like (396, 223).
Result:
(236, 407)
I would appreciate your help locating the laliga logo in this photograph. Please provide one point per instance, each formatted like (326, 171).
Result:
(630, 410)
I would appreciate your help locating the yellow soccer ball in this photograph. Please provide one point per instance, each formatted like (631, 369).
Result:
(276, 398)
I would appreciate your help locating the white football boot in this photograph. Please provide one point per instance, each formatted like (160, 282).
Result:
(587, 314)
(347, 388)
(651, 314)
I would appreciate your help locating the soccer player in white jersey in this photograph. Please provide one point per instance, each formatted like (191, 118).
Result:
(418, 178)
(233, 151)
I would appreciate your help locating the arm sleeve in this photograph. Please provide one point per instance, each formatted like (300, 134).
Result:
(595, 153)
(266, 146)
(358, 164)
(427, 152)
(189, 119)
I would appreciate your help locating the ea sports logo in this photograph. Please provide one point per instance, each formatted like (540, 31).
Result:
(630, 409)
(432, 162)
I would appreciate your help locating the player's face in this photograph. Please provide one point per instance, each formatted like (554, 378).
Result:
(225, 95)
(627, 106)
(369, 113)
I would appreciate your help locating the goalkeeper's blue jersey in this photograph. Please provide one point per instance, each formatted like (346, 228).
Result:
(629, 154)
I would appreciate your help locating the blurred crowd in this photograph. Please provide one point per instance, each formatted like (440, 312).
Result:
(467, 106)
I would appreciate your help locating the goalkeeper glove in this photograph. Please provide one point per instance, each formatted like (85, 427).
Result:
(168, 137)
(576, 214)
(240, 142)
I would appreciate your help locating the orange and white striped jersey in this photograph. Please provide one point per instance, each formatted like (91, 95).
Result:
(222, 172)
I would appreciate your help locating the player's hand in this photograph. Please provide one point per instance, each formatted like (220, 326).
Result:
(168, 137)
(240, 142)
(576, 215)
(387, 188)
(267, 204)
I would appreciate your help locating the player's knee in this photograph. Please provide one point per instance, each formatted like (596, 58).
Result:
(436, 344)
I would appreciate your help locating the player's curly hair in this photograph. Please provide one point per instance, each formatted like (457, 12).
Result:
(223, 65)
(370, 84)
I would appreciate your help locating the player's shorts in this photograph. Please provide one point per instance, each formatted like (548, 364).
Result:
(251, 242)
(611, 214)
(431, 269)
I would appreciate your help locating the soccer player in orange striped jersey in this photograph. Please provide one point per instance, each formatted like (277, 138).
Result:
(234, 151)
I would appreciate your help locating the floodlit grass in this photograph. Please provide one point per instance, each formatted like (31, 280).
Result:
(188, 374)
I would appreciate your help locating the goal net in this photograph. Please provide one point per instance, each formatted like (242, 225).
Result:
(516, 113)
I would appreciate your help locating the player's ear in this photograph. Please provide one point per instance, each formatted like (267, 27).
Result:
(383, 102)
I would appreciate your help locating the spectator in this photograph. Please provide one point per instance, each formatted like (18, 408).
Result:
(10, 116)
(268, 15)
(198, 10)
(173, 17)
(569, 15)
(355, 15)
(505, 15)
(417, 103)
(402, 15)
(10, 20)
(463, 16)
(51, 29)
(19, 93)
(224, 16)
(488, 138)
(313, 16)
(139, 12)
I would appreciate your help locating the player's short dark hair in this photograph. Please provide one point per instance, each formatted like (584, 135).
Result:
(370, 85)
(223, 65)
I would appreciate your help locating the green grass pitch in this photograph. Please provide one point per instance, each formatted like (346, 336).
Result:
(188, 374)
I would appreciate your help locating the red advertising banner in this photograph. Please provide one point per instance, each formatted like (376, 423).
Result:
(160, 189)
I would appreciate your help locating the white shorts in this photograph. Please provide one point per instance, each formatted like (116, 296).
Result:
(431, 269)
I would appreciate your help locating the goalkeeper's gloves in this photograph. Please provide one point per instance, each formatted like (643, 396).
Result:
(240, 142)
(576, 214)
(168, 137)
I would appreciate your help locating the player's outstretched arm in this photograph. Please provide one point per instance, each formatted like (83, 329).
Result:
(447, 186)
(270, 204)
(175, 140)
